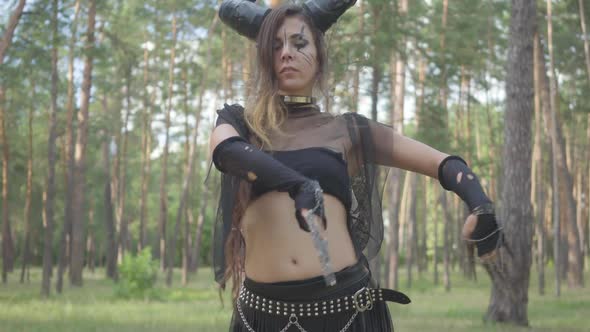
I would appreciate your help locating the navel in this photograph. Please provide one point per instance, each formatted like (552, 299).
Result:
(293, 261)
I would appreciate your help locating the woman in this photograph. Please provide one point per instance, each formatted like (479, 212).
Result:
(284, 162)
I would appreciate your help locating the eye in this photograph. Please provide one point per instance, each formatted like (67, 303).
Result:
(277, 46)
(300, 45)
(299, 42)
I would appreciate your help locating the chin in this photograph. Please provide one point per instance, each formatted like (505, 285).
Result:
(294, 90)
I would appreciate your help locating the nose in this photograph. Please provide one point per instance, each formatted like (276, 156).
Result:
(286, 53)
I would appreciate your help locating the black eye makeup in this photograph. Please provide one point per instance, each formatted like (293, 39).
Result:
(298, 40)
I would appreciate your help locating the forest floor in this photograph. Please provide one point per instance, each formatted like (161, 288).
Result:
(197, 307)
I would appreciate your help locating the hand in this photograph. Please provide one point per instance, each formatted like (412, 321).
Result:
(483, 230)
(309, 197)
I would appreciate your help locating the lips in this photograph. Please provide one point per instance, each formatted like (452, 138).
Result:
(288, 69)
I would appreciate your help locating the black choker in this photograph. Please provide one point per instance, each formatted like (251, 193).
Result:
(298, 99)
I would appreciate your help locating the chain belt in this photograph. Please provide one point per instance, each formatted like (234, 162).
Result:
(361, 301)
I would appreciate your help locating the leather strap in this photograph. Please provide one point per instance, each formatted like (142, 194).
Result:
(395, 296)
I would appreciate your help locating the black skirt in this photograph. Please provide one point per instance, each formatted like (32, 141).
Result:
(349, 281)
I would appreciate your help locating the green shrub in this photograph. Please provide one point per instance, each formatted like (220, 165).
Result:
(137, 277)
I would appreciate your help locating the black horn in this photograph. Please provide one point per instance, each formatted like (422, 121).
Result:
(324, 13)
(246, 17)
(243, 16)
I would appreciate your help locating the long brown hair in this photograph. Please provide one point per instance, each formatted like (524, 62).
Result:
(264, 112)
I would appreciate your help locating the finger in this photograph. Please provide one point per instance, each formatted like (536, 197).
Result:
(301, 221)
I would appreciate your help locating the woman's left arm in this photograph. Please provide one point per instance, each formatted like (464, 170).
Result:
(404, 152)
(395, 150)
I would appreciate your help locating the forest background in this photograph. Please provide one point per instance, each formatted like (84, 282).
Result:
(106, 107)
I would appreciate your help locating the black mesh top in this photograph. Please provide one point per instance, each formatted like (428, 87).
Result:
(324, 165)
(362, 145)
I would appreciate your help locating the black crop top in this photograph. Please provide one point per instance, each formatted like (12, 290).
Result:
(324, 165)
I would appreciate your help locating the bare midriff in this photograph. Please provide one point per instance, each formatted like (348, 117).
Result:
(278, 250)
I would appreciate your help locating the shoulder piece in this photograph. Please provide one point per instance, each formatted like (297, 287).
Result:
(234, 115)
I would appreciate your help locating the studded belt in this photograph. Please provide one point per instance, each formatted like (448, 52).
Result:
(362, 300)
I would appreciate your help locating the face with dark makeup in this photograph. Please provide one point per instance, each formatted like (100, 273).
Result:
(295, 58)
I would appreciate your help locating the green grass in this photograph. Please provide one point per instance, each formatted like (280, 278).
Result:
(197, 307)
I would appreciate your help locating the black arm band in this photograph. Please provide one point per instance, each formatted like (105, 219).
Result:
(441, 178)
(454, 175)
(237, 157)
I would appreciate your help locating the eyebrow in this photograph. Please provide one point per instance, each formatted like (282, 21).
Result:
(295, 35)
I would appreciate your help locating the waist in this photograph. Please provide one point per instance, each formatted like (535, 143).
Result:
(350, 278)
(312, 298)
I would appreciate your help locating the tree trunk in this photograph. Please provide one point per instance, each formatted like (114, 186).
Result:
(377, 72)
(443, 104)
(579, 206)
(7, 241)
(358, 66)
(548, 121)
(398, 79)
(446, 241)
(412, 238)
(78, 199)
(50, 191)
(492, 146)
(66, 233)
(537, 193)
(164, 176)
(510, 275)
(109, 218)
(188, 213)
(575, 273)
(435, 240)
(10, 27)
(200, 224)
(420, 227)
(587, 61)
(27, 214)
(123, 231)
(90, 246)
(193, 156)
(145, 149)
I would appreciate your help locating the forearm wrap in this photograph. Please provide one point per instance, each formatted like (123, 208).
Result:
(454, 175)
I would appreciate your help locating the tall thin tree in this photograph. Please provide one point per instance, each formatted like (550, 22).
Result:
(510, 277)
(574, 257)
(164, 168)
(79, 193)
(66, 232)
(7, 242)
(27, 212)
(50, 190)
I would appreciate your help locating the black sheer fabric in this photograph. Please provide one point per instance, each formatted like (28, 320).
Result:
(364, 145)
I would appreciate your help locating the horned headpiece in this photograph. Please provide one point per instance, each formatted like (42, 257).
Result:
(246, 17)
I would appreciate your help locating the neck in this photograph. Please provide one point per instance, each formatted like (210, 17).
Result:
(294, 100)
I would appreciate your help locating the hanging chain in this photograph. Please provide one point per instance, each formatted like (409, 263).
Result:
(293, 320)
(320, 243)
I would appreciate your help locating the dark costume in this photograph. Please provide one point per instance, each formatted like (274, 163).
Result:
(316, 152)
(349, 140)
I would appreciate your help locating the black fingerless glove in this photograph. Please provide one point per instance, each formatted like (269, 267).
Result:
(454, 175)
(309, 196)
(237, 157)
(486, 235)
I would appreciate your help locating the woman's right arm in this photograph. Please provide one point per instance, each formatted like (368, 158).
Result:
(233, 155)
(221, 133)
